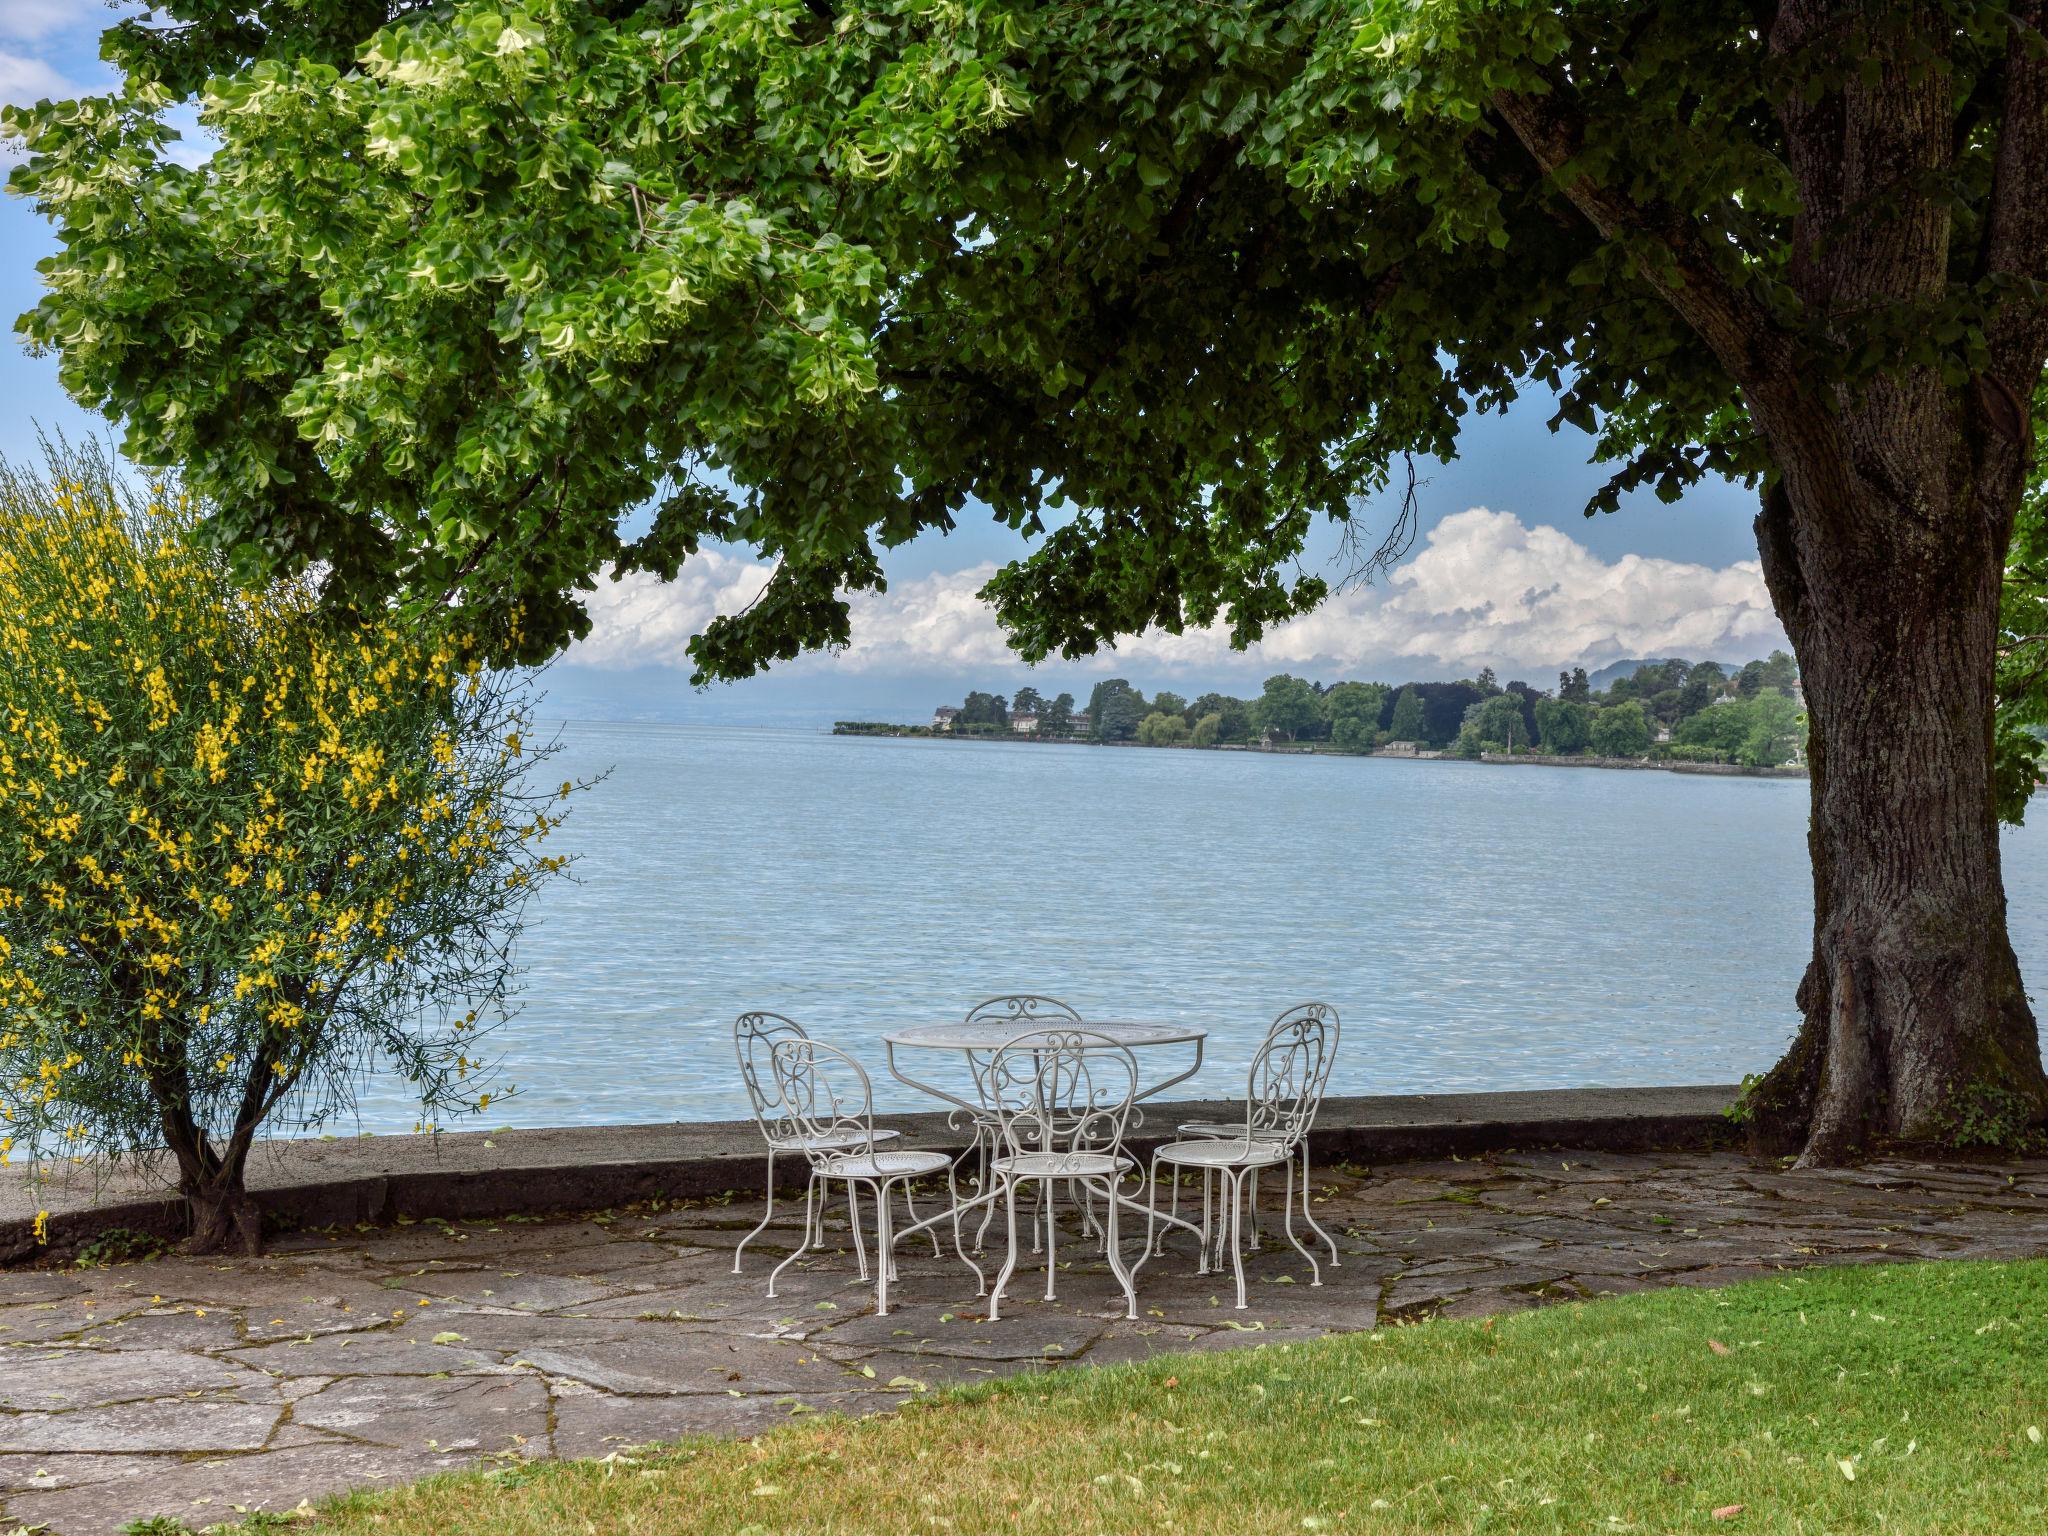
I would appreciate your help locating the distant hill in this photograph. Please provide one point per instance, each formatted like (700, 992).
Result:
(1608, 675)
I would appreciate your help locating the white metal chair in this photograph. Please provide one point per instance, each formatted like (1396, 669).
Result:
(755, 1036)
(1061, 1100)
(825, 1093)
(1012, 1008)
(1283, 1091)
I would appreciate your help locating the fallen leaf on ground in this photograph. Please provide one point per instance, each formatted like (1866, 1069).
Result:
(1727, 1511)
(1718, 1347)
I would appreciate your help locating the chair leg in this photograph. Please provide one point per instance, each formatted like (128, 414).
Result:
(953, 1188)
(1208, 1202)
(766, 1215)
(981, 1186)
(1309, 1216)
(1151, 1214)
(1315, 1270)
(1116, 1258)
(885, 1251)
(860, 1247)
(814, 1217)
(995, 1295)
(1235, 1185)
(910, 1204)
(810, 1196)
(1155, 1196)
(1051, 1234)
(1252, 1203)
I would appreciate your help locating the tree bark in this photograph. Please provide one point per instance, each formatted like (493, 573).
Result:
(1915, 1026)
(224, 1218)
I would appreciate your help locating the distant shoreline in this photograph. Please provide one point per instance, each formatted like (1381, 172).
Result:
(1533, 760)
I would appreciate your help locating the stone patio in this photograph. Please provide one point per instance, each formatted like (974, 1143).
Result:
(200, 1389)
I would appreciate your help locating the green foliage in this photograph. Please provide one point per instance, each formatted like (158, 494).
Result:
(1496, 724)
(1352, 711)
(1621, 730)
(1288, 706)
(1407, 724)
(982, 709)
(1765, 731)
(1987, 1114)
(2019, 753)
(1565, 726)
(119, 1245)
(250, 849)
(1115, 710)
(464, 284)
(1354, 733)
(1776, 671)
(1160, 729)
(1206, 731)
(1233, 716)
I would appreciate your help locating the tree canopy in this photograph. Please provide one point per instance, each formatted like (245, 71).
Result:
(466, 284)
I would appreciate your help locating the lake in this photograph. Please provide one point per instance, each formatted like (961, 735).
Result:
(1476, 926)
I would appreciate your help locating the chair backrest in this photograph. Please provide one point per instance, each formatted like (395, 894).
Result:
(826, 1096)
(1061, 1090)
(1023, 1008)
(1285, 1087)
(754, 1037)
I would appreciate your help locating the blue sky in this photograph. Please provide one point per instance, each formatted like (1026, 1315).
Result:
(1527, 585)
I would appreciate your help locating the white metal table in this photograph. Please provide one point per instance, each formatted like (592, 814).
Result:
(988, 1037)
(983, 1038)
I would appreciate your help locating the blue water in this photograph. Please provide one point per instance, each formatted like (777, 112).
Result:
(1476, 926)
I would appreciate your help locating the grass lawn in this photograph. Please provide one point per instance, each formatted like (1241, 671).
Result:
(1907, 1398)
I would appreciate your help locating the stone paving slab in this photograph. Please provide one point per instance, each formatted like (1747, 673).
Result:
(349, 1358)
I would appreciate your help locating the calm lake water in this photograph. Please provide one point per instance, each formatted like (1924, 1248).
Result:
(1477, 927)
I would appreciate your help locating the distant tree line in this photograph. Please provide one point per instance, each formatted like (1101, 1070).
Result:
(1688, 711)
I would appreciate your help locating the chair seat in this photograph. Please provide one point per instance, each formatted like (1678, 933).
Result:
(885, 1165)
(1235, 1152)
(1061, 1165)
(1215, 1130)
(831, 1140)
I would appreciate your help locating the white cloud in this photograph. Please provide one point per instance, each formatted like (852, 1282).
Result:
(1486, 589)
(25, 80)
(33, 20)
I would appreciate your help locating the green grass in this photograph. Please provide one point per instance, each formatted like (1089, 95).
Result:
(1910, 1398)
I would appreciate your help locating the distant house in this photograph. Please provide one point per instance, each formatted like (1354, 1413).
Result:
(1664, 731)
(1400, 749)
(942, 717)
(1026, 723)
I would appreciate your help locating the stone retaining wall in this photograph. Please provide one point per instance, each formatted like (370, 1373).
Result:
(380, 1179)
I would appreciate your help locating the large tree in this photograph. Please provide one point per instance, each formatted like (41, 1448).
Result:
(464, 284)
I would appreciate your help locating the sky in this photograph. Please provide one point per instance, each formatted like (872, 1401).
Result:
(1507, 571)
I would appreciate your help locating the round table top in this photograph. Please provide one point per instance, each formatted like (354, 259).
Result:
(993, 1034)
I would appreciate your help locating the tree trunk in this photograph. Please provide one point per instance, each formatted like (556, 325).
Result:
(224, 1218)
(1916, 1027)
(1884, 535)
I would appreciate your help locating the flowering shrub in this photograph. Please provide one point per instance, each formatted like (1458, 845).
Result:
(251, 849)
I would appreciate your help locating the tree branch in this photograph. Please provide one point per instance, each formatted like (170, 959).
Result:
(1740, 334)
